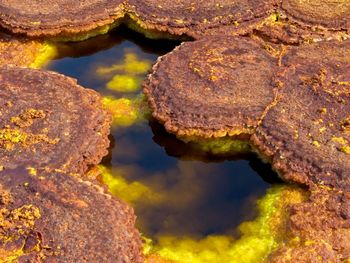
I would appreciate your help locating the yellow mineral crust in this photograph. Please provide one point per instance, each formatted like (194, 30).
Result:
(133, 21)
(124, 83)
(258, 238)
(101, 30)
(15, 224)
(132, 65)
(25, 119)
(25, 53)
(126, 76)
(10, 137)
(283, 28)
(224, 146)
(131, 192)
(126, 112)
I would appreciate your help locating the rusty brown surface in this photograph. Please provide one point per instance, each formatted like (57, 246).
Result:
(198, 18)
(306, 135)
(48, 120)
(297, 22)
(18, 51)
(210, 88)
(318, 229)
(213, 87)
(54, 217)
(303, 132)
(323, 13)
(289, 33)
(58, 17)
(306, 138)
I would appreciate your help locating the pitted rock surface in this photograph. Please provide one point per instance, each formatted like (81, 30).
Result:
(54, 217)
(58, 17)
(306, 135)
(213, 87)
(47, 120)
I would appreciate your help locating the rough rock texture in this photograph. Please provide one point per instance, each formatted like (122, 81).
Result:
(306, 135)
(195, 18)
(319, 229)
(324, 13)
(303, 129)
(213, 87)
(54, 217)
(284, 31)
(306, 138)
(23, 52)
(307, 21)
(58, 17)
(48, 120)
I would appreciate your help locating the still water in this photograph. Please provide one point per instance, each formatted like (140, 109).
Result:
(174, 189)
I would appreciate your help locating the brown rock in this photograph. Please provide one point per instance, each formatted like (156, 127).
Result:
(61, 18)
(213, 87)
(197, 18)
(305, 135)
(54, 217)
(334, 15)
(23, 52)
(319, 229)
(283, 31)
(48, 120)
(307, 21)
(282, 28)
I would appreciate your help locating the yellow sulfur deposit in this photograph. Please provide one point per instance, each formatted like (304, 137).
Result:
(25, 53)
(221, 146)
(130, 192)
(15, 224)
(127, 75)
(259, 237)
(124, 83)
(125, 112)
(11, 137)
(44, 54)
(131, 65)
(136, 24)
(101, 30)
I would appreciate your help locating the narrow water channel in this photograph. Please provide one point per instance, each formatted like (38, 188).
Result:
(174, 189)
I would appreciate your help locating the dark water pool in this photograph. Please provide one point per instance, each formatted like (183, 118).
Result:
(201, 195)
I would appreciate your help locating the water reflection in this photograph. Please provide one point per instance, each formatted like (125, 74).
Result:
(175, 189)
(199, 196)
(121, 50)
